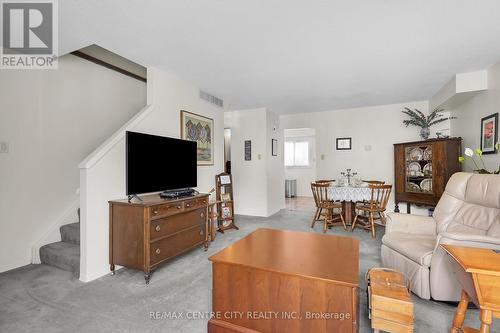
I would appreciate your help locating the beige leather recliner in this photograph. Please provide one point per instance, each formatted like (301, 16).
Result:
(468, 214)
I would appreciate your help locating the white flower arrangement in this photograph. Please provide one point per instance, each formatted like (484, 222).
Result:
(478, 152)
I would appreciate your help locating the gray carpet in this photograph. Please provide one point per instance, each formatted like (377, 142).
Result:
(40, 298)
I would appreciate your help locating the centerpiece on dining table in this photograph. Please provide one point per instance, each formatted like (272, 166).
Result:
(348, 179)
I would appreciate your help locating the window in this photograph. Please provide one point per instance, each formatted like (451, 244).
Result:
(297, 153)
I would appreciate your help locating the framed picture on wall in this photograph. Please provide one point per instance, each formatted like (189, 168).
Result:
(344, 143)
(248, 150)
(200, 129)
(489, 133)
(274, 147)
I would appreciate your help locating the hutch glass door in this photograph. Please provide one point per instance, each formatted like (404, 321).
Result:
(418, 171)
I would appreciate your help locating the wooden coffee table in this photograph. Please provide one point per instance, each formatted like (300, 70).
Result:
(286, 281)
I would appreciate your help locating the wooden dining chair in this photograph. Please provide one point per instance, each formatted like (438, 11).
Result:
(319, 212)
(325, 206)
(374, 182)
(376, 205)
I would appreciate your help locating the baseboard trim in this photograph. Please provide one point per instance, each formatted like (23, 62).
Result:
(96, 275)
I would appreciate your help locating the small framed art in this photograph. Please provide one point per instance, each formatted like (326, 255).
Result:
(274, 147)
(343, 143)
(225, 196)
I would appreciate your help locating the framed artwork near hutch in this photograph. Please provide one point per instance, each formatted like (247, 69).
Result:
(489, 133)
(200, 129)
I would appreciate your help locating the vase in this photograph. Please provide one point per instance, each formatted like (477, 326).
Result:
(424, 133)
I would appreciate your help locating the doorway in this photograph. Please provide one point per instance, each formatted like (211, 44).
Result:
(227, 150)
(300, 167)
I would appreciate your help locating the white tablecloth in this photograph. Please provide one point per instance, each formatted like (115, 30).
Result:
(349, 193)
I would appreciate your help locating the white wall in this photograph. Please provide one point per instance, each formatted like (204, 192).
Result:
(303, 175)
(275, 165)
(249, 177)
(373, 130)
(103, 172)
(52, 119)
(469, 114)
(258, 184)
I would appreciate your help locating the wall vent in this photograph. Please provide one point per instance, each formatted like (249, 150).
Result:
(211, 99)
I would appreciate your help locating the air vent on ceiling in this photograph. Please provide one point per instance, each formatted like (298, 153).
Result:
(211, 99)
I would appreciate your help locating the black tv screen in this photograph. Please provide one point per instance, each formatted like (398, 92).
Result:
(157, 163)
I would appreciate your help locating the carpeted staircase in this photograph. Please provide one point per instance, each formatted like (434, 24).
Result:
(66, 253)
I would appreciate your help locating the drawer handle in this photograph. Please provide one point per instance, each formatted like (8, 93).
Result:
(158, 251)
(178, 207)
(188, 205)
(155, 212)
(202, 215)
(157, 228)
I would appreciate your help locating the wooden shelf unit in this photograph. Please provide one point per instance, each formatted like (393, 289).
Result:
(222, 187)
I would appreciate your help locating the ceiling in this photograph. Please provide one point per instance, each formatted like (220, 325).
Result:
(295, 56)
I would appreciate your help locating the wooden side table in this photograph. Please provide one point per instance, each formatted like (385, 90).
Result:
(478, 271)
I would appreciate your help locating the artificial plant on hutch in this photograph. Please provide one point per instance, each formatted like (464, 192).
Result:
(418, 118)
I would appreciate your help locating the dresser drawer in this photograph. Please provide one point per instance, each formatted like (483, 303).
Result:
(175, 223)
(166, 209)
(193, 204)
(171, 246)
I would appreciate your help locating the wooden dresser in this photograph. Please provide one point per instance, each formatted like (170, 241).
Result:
(144, 234)
(422, 169)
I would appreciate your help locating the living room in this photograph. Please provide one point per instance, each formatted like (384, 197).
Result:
(240, 166)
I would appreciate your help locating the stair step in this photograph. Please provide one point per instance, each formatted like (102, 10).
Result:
(70, 233)
(65, 256)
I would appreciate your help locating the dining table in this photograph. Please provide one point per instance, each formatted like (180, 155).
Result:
(348, 195)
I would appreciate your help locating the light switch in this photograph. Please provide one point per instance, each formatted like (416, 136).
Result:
(322, 156)
(259, 156)
(4, 147)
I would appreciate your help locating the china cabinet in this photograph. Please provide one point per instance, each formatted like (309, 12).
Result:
(422, 169)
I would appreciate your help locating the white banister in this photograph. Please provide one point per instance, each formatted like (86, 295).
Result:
(101, 151)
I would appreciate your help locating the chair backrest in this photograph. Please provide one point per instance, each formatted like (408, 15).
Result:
(374, 182)
(325, 181)
(320, 192)
(470, 205)
(380, 195)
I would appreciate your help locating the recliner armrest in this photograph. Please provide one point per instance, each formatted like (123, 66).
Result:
(468, 240)
(411, 224)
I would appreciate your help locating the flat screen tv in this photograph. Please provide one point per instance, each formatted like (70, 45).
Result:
(157, 163)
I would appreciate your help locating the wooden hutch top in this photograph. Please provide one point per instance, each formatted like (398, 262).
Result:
(428, 141)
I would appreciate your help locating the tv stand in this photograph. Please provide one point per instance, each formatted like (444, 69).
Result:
(180, 193)
(143, 235)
